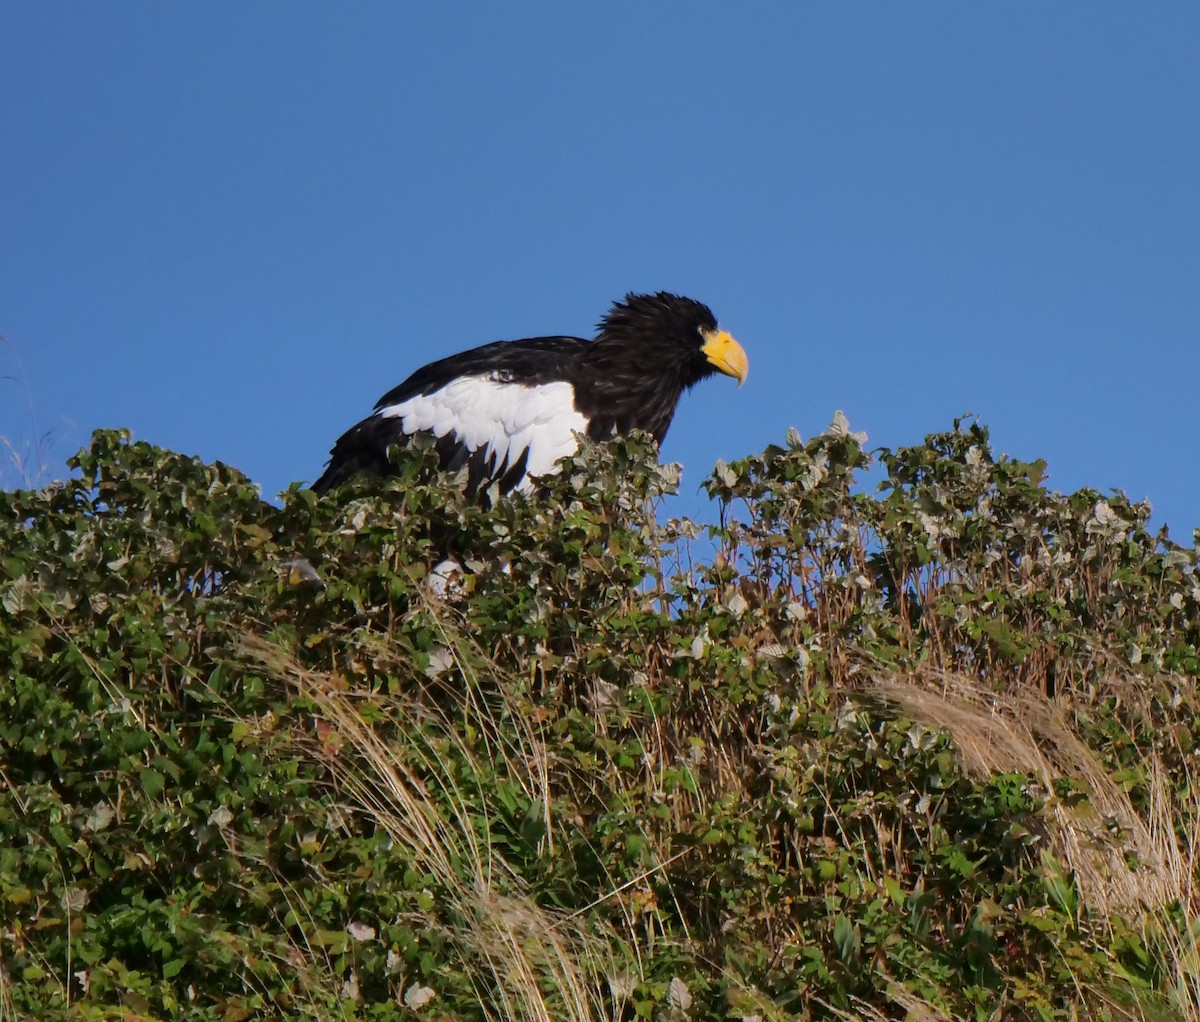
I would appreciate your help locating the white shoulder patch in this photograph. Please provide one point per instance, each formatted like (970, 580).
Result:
(505, 419)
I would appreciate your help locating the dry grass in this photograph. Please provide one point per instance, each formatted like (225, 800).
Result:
(915, 1008)
(540, 965)
(1126, 863)
(532, 964)
(24, 463)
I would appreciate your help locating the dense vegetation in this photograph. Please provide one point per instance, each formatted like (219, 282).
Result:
(920, 753)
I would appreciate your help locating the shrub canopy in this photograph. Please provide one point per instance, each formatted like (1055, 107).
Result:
(843, 754)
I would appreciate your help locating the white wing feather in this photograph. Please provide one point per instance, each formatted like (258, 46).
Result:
(505, 419)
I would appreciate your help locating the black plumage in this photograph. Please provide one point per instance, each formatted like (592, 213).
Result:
(508, 411)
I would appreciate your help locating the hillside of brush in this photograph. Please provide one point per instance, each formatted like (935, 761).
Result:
(920, 751)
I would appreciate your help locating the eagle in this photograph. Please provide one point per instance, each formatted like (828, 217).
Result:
(508, 411)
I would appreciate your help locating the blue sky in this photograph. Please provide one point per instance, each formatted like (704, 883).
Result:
(231, 227)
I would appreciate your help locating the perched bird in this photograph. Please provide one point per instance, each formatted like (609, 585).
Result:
(509, 411)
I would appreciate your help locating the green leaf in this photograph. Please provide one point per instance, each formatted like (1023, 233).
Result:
(845, 937)
(152, 782)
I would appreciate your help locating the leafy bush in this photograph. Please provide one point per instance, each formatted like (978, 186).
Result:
(924, 753)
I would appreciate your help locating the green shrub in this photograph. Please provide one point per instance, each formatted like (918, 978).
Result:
(921, 753)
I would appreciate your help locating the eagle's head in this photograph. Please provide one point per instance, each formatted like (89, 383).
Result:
(680, 330)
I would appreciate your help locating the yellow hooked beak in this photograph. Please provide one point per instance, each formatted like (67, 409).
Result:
(726, 354)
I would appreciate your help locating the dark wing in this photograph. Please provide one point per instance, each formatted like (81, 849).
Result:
(504, 411)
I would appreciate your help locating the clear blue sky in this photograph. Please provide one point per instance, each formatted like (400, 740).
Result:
(231, 227)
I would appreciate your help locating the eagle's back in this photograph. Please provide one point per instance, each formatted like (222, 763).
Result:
(530, 360)
(504, 411)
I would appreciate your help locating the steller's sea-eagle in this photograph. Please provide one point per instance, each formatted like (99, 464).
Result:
(509, 411)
